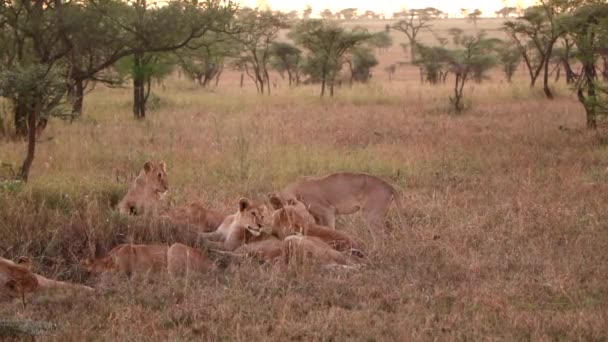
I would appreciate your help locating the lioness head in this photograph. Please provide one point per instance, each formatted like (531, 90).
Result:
(251, 217)
(149, 187)
(293, 204)
(154, 176)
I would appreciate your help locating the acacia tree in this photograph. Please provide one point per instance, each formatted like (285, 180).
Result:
(34, 31)
(360, 61)
(509, 58)
(473, 56)
(33, 34)
(417, 19)
(348, 13)
(286, 58)
(381, 40)
(203, 58)
(474, 16)
(588, 27)
(255, 31)
(434, 63)
(536, 33)
(306, 12)
(327, 44)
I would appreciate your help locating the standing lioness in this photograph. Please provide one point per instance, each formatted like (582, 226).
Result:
(344, 193)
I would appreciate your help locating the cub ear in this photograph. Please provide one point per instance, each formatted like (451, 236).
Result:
(275, 201)
(291, 202)
(163, 166)
(244, 203)
(25, 262)
(148, 166)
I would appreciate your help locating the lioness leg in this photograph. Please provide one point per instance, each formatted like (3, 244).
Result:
(374, 210)
(323, 216)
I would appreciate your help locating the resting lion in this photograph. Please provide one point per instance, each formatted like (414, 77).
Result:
(147, 190)
(288, 221)
(147, 196)
(268, 250)
(130, 259)
(244, 226)
(207, 220)
(343, 193)
(17, 280)
(309, 249)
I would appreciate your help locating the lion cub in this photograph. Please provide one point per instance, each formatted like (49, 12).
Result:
(246, 225)
(287, 220)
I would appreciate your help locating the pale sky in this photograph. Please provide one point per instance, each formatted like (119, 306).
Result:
(389, 6)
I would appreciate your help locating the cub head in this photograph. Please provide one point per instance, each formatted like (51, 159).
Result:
(251, 217)
(291, 205)
(97, 266)
(25, 262)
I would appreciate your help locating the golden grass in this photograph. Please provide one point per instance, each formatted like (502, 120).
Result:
(505, 235)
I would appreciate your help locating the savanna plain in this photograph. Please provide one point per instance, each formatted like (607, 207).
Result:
(504, 233)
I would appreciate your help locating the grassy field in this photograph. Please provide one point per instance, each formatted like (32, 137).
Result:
(505, 229)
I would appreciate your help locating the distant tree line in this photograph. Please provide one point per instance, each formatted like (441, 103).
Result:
(55, 51)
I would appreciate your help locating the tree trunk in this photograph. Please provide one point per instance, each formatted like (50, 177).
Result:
(20, 117)
(242, 79)
(32, 115)
(546, 88)
(323, 81)
(139, 103)
(77, 97)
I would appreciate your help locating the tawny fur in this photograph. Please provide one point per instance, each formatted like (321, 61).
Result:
(344, 193)
(287, 221)
(246, 225)
(147, 192)
(130, 259)
(183, 260)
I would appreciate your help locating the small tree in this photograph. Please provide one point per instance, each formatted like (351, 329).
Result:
(327, 44)
(474, 16)
(203, 59)
(326, 14)
(588, 27)
(255, 31)
(360, 62)
(306, 12)
(41, 90)
(348, 13)
(471, 59)
(381, 40)
(434, 63)
(286, 58)
(505, 12)
(417, 20)
(536, 33)
(509, 58)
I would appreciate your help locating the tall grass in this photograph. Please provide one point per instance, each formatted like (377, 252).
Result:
(505, 234)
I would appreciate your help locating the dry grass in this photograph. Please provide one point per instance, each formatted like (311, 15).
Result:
(505, 235)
